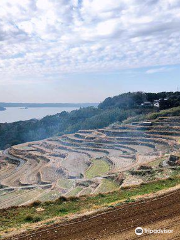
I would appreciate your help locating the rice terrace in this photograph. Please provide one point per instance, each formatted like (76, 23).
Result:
(122, 160)
(89, 161)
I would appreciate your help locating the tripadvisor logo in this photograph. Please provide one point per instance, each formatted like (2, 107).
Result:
(138, 231)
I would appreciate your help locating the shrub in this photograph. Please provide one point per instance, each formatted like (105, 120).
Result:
(61, 199)
(47, 203)
(129, 200)
(63, 210)
(35, 203)
(73, 199)
(28, 218)
(101, 195)
(36, 219)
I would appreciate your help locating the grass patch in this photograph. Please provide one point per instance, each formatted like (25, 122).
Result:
(17, 216)
(156, 162)
(49, 223)
(98, 168)
(129, 200)
(176, 172)
(107, 186)
(86, 191)
(49, 196)
(63, 211)
(165, 113)
(65, 183)
(74, 191)
(154, 115)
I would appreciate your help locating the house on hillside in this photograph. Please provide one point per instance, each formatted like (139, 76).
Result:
(156, 103)
(146, 104)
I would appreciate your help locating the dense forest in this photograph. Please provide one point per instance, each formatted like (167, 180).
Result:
(134, 100)
(111, 110)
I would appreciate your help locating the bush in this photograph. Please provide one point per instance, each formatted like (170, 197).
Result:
(47, 203)
(61, 199)
(35, 203)
(129, 200)
(73, 199)
(101, 195)
(63, 210)
(36, 219)
(28, 218)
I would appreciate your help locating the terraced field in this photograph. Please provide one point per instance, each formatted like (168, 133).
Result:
(89, 161)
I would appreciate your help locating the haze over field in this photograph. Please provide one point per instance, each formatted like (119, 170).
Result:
(86, 50)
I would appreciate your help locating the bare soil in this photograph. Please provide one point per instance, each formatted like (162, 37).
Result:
(159, 212)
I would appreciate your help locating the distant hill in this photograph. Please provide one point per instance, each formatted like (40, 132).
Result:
(134, 100)
(34, 105)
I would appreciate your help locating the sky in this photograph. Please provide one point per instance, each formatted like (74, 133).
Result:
(87, 50)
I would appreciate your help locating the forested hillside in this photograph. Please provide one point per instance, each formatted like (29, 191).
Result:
(111, 110)
(134, 100)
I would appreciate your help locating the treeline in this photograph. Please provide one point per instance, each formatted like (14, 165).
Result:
(114, 109)
(134, 100)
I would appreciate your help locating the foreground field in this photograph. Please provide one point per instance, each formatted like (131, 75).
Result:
(120, 213)
(90, 161)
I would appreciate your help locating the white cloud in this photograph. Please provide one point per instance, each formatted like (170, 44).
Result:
(158, 70)
(65, 36)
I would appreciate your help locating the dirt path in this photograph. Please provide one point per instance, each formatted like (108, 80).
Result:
(119, 223)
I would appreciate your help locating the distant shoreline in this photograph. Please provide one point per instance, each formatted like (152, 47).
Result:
(15, 114)
(37, 105)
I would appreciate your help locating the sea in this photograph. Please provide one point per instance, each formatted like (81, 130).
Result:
(14, 114)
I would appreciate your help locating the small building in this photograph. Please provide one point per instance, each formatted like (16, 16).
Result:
(146, 104)
(156, 103)
(146, 124)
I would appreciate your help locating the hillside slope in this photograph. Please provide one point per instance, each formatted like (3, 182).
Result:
(90, 161)
(118, 108)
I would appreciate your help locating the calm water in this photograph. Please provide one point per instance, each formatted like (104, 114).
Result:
(13, 114)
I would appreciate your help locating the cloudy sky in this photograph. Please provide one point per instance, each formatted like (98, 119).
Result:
(86, 50)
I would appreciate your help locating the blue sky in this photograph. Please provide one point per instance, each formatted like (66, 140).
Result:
(85, 51)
